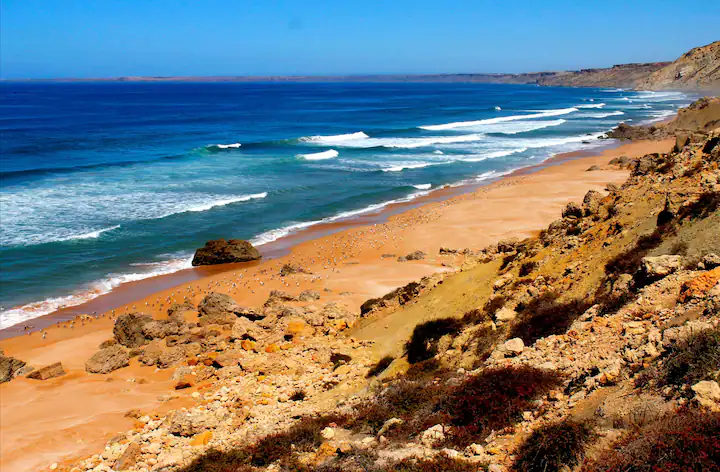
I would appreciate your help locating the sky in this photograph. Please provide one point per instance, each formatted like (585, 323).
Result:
(110, 38)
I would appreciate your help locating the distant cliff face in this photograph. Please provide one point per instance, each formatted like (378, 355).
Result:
(697, 69)
(624, 75)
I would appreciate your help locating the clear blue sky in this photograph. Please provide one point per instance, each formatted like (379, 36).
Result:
(105, 38)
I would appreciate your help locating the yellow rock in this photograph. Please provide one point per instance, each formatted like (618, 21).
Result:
(248, 345)
(201, 439)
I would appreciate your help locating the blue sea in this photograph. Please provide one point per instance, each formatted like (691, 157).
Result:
(106, 183)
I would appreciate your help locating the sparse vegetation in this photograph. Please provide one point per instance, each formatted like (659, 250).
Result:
(423, 343)
(694, 359)
(551, 447)
(682, 441)
(545, 316)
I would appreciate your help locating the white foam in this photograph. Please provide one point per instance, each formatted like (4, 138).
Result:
(423, 186)
(603, 115)
(494, 155)
(514, 127)
(438, 151)
(215, 203)
(594, 105)
(465, 124)
(93, 234)
(334, 139)
(17, 315)
(419, 165)
(498, 108)
(551, 142)
(318, 156)
(275, 234)
(226, 146)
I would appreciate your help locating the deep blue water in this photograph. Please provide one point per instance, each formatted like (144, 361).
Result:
(109, 182)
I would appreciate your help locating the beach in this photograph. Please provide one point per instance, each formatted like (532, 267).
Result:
(349, 262)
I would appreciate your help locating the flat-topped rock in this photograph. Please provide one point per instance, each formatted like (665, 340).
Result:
(221, 251)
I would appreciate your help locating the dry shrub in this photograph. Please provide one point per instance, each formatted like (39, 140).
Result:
(628, 261)
(545, 316)
(687, 440)
(303, 436)
(552, 447)
(411, 401)
(493, 400)
(693, 359)
(707, 204)
(423, 342)
(528, 268)
(380, 366)
(438, 463)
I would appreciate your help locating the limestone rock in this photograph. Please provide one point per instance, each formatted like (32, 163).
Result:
(243, 328)
(221, 251)
(128, 458)
(432, 436)
(505, 314)
(572, 210)
(218, 308)
(707, 393)
(107, 360)
(660, 266)
(47, 372)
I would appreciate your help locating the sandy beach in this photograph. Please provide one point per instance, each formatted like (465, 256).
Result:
(74, 415)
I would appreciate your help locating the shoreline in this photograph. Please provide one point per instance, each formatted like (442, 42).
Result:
(346, 264)
(130, 292)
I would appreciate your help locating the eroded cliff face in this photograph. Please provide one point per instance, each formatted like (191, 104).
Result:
(697, 69)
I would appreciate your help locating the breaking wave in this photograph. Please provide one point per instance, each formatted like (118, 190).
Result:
(503, 119)
(318, 156)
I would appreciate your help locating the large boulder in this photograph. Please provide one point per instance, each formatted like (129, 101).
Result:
(128, 329)
(221, 251)
(218, 308)
(9, 368)
(107, 360)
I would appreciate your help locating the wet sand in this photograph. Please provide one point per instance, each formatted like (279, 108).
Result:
(47, 421)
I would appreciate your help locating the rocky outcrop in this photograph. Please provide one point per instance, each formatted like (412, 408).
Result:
(221, 251)
(128, 329)
(699, 68)
(107, 360)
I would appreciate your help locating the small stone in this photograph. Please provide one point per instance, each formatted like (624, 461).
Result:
(515, 345)
(707, 394)
(128, 458)
(432, 436)
(389, 424)
(201, 439)
(505, 314)
(327, 433)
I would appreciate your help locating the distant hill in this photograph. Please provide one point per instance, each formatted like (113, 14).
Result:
(697, 69)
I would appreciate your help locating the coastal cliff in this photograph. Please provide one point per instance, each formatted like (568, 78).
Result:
(592, 346)
(697, 69)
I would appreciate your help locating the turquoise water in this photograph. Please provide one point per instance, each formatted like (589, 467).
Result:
(105, 183)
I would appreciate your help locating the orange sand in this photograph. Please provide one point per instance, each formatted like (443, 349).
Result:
(42, 422)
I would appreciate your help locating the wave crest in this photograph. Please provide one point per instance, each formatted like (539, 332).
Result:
(503, 119)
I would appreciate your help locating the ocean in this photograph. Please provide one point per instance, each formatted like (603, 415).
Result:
(106, 183)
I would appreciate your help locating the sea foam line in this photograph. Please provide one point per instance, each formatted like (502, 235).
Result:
(225, 146)
(214, 204)
(17, 315)
(464, 124)
(334, 139)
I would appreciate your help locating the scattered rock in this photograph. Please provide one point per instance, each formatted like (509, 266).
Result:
(389, 424)
(47, 372)
(290, 268)
(9, 368)
(413, 256)
(308, 296)
(433, 435)
(218, 308)
(221, 251)
(593, 168)
(572, 210)
(185, 423)
(505, 314)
